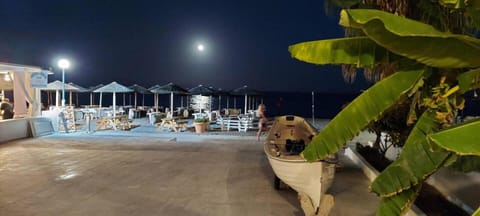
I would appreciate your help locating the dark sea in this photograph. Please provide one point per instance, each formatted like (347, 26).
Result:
(326, 105)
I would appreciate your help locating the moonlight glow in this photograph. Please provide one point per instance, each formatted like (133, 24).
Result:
(200, 47)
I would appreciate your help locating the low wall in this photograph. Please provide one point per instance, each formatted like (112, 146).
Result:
(13, 129)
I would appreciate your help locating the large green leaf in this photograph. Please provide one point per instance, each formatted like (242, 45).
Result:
(360, 51)
(462, 139)
(415, 40)
(416, 161)
(398, 204)
(360, 112)
(469, 80)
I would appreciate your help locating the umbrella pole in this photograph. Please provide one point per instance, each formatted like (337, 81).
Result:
(171, 103)
(100, 105)
(143, 100)
(123, 99)
(70, 98)
(246, 100)
(100, 102)
(57, 97)
(156, 102)
(201, 103)
(135, 100)
(114, 111)
(181, 101)
(91, 99)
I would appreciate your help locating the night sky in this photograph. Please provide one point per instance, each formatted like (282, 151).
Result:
(154, 42)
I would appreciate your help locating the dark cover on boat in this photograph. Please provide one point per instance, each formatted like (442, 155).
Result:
(295, 146)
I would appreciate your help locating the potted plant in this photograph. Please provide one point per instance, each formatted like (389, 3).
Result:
(200, 124)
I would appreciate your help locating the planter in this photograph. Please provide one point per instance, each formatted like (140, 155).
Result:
(200, 127)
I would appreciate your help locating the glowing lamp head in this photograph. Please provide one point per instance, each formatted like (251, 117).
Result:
(63, 63)
(200, 47)
(7, 78)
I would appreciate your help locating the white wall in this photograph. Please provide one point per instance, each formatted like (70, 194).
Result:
(12, 129)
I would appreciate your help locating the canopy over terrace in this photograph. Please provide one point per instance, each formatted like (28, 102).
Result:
(22, 91)
(171, 89)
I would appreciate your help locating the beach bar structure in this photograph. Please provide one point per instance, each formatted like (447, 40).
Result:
(23, 80)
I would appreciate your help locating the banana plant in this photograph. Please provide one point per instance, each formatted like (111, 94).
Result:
(436, 68)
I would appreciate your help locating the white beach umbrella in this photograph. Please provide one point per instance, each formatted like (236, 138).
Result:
(114, 87)
(57, 86)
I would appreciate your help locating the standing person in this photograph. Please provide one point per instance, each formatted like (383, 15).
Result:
(6, 109)
(262, 122)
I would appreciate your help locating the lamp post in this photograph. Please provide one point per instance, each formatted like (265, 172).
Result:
(64, 64)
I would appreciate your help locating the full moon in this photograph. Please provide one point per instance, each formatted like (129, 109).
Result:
(200, 47)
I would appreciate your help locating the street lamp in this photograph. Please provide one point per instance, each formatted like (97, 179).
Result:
(64, 64)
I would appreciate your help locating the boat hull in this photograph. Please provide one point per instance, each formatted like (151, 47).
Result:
(312, 179)
(287, 137)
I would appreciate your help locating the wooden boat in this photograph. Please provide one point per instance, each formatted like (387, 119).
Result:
(285, 140)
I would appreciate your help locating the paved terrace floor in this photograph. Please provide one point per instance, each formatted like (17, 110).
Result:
(128, 173)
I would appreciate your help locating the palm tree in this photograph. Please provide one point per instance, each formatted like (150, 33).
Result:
(430, 69)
